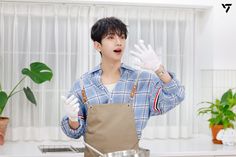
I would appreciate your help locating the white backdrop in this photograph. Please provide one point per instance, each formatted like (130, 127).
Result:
(59, 35)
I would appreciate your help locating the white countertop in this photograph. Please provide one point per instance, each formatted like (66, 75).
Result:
(197, 146)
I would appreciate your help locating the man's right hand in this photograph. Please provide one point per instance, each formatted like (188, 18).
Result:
(71, 107)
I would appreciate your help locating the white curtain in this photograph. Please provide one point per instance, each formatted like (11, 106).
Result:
(59, 35)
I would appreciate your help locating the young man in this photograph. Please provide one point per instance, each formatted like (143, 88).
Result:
(111, 104)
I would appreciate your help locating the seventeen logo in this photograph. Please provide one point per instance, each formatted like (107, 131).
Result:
(227, 7)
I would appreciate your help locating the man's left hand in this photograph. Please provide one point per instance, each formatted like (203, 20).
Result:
(147, 57)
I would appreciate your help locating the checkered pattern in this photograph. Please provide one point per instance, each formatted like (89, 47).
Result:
(153, 97)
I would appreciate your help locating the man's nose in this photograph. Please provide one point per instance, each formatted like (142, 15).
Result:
(118, 40)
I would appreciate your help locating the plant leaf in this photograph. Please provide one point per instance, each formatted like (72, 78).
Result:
(213, 121)
(29, 95)
(226, 95)
(204, 110)
(225, 108)
(38, 72)
(207, 102)
(221, 111)
(226, 123)
(3, 101)
(231, 101)
(230, 114)
(214, 112)
(218, 119)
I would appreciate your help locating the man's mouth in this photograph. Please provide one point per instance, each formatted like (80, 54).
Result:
(117, 50)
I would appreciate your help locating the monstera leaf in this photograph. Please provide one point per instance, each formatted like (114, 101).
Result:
(29, 95)
(3, 101)
(38, 72)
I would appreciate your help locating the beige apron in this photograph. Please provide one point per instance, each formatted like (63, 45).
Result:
(110, 127)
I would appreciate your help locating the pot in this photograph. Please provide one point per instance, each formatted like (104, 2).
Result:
(3, 127)
(141, 152)
(215, 129)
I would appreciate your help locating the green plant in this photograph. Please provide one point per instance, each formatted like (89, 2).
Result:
(222, 111)
(38, 73)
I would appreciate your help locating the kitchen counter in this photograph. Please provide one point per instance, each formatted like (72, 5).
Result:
(197, 146)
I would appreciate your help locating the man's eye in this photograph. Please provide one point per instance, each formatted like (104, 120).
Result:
(110, 37)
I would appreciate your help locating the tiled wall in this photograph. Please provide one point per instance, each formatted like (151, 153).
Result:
(215, 82)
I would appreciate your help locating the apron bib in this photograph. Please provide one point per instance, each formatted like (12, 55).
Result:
(110, 127)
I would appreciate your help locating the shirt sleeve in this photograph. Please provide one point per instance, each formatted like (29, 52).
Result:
(75, 133)
(165, 97)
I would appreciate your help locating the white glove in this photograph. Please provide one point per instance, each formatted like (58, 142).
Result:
(147, 57)
(71, 107)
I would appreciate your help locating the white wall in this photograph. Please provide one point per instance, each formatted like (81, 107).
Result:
(168, 3)
(216, 36)
(224, 35)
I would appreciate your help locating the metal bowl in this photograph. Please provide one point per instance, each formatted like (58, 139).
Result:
(129, 153)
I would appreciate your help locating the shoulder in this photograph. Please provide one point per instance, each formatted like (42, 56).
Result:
(129, 72)
(91, 73)
(143, 75)
(85, 79)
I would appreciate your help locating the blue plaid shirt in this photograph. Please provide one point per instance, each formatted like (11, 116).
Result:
(152, 97)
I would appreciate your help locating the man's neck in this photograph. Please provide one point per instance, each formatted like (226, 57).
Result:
(110, 72)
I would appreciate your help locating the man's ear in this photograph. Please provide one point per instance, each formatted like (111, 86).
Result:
(97, 46)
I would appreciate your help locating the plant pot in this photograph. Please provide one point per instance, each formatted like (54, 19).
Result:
(215, 129)
(3, 127)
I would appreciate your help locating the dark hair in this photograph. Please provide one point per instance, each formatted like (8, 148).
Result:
(106, 26)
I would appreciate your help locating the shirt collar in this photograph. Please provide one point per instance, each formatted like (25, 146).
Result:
(123, 68)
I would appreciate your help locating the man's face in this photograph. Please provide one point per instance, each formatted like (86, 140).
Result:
(112, 47)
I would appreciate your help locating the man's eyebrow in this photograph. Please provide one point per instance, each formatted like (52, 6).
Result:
(111, 33)
(119, 34)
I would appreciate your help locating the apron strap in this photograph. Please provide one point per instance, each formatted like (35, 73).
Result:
(84, 97)
(134, 89)
(132, 93)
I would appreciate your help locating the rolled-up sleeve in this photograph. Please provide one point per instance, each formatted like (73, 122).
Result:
(165, 97)
(73, 133)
